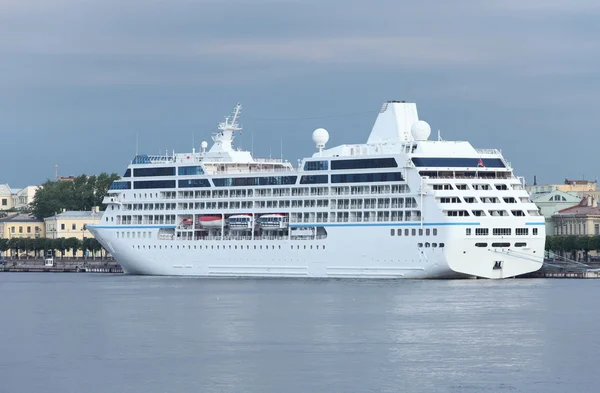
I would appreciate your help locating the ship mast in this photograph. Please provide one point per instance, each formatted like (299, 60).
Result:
(224, 138)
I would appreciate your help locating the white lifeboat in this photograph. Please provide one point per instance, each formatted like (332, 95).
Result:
(211, 221)
(240, 222)
(273, 221)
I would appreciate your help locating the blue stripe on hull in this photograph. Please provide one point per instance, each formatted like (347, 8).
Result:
(397, 224)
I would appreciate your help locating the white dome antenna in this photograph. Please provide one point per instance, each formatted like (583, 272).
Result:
(204, 145)
(320, 137)
(420, 130)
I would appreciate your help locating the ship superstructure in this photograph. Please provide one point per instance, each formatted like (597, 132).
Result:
(399, 206)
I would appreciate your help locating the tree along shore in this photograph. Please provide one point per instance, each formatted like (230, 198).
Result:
(39, 247)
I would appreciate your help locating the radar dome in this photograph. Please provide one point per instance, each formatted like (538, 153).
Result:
(420, 130)
(204, 144)
(320, 136)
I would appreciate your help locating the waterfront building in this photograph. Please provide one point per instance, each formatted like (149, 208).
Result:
(582, 219)
(574, 186)
(71, 224)
(22, 226)
(550, 203)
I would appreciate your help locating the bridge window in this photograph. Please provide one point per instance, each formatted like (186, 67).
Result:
(127, 173)
(316, 166)
(153, 184)
(120, 185)
(151, 172)
(364, 163)
(190, 170)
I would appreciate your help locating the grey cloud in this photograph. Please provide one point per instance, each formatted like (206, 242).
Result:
(97, 72)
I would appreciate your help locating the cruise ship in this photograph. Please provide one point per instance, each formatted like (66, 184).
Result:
(401, 205)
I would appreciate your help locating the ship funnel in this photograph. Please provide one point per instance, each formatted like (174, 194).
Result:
(394, 122)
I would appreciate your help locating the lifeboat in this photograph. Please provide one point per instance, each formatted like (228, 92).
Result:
(240, 222)
(211, 221)
(187, 221)
(273, 221)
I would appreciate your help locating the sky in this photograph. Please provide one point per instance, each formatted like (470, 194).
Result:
(85, 84)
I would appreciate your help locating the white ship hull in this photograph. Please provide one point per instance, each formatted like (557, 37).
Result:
(366, 252)
(399, 206)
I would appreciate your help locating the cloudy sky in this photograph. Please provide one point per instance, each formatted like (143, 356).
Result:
(79, 79)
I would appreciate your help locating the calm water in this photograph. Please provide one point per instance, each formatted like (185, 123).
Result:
(112, 333)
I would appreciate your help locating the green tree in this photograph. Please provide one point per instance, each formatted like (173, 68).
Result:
(27, 245)
(73, 244)
(82, 193)
(95, 246)
(39, 245)
(569, 245)
(15, 245)
(548, 245)
(595, 243)
(3, 245)
(584, 243)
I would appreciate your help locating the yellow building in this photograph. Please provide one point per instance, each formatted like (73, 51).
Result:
(581, 219)
(71, 224)
(572, 186)
(22, 225)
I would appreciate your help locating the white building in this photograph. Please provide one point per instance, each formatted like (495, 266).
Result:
(11, 198)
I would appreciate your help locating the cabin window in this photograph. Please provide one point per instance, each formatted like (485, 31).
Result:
(392, 232)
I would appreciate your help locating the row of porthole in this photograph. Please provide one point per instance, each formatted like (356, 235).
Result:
(414, 231)
(432, 245)
(218, 247)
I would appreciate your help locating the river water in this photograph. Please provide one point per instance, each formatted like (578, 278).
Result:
(90, 333)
